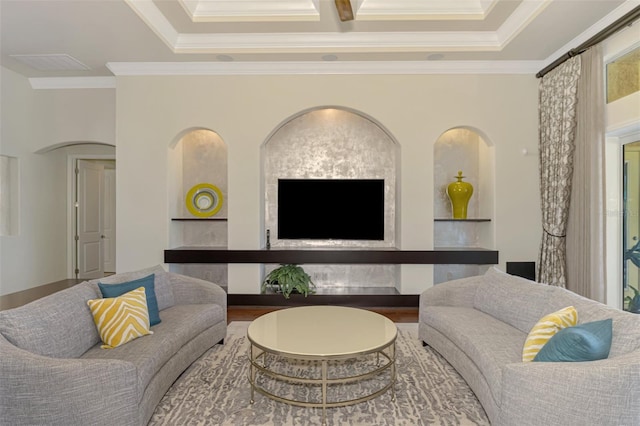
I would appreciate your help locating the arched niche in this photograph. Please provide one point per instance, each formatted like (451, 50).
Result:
(198, 156)
(330, 143)
(468, 150)
(334, 143)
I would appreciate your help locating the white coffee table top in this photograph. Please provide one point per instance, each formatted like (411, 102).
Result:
(321, 331)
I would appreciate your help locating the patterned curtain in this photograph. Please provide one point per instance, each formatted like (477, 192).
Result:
(586, 223)
(557, 116)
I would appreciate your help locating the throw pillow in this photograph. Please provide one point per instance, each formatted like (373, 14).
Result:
(121, 319)
(545, 329)
(584, 342)
(148, 282)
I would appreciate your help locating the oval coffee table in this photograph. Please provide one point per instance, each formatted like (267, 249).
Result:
(330, 336)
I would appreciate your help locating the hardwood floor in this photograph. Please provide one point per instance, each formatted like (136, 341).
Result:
(249, 313)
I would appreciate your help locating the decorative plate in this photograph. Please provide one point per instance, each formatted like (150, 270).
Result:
(204, 200)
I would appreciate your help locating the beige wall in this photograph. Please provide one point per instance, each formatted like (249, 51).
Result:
(31, 121)
(153, 112)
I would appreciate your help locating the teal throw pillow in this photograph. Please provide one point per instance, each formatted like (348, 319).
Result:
(148, 282)
(585, 342)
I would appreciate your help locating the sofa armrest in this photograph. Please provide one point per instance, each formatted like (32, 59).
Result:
(604, 392)
(188, 290)
(460, 292)
(36, 389)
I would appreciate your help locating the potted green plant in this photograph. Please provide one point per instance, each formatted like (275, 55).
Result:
(287, 279)
(633, 254)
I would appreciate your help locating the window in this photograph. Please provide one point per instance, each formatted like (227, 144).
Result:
(623, 75)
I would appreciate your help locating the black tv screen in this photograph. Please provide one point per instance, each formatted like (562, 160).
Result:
(331, 209)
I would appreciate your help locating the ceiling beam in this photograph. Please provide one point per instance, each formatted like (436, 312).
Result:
(344, 10)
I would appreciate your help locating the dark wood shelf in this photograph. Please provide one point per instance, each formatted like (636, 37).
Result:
(188, 219)
(461, 220)
(355, 300)
(454, 256)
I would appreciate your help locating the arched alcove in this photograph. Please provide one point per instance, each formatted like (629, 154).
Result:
(333, 143)
(198, 156)
(69, 171)
(330, 143)
(468, 150)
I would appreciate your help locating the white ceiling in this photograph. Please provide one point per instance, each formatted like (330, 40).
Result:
(294, 36)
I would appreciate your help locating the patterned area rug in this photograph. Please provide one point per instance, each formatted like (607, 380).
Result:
(215, 391)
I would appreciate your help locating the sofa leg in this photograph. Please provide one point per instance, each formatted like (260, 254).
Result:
(424, 343)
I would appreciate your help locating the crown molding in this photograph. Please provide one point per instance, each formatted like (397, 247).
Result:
(519, 19)
(338, 42)
(155, 19)
(322, 68)
(73, 83)
(263, 10)
(368, 10)
(603, 23)
(473, 41)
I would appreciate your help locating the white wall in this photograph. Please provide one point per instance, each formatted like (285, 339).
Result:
(33, 120)
(243, 110)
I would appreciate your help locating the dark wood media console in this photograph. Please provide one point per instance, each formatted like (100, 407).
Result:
(454, 256)
(457, 256)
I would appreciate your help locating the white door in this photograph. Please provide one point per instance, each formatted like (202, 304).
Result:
(89, 220)
(109, 220)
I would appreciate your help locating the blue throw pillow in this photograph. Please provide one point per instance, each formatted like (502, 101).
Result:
(148, 282)
(584, 342)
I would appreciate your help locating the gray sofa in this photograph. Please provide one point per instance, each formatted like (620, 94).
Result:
(479, 325)
(53, 371)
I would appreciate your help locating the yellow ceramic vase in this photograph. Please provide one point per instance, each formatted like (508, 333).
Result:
(459, 193)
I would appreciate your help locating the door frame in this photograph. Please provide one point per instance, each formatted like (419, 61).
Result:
(615, 139)
(71, 213)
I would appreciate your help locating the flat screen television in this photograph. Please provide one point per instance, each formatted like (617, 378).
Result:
(331, 209)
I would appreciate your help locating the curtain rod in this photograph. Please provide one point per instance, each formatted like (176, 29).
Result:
(619, 24)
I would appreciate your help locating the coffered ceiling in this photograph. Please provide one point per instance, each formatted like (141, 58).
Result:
(57, 38)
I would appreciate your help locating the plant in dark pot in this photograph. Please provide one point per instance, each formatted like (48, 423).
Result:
(287, 279)
(633, 254)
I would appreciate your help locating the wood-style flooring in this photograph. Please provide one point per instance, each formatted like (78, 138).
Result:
(249, 313)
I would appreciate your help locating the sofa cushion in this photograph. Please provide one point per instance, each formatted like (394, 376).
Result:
(59, 325)
(180, 324)
(121, 319)
(115, 290)
(514, 300)
(164, 293)
(585, 342)
(490, 343)
(545, 329)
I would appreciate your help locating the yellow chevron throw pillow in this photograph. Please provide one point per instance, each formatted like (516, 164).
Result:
(545, 330)
(121, 319)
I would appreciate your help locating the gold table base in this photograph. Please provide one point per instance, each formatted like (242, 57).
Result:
(257, 353)
(328, 337)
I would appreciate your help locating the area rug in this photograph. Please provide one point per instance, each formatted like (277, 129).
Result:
(215, 391)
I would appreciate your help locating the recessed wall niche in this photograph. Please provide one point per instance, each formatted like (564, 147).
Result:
(466, 150)
(200, 156)
(333, 143)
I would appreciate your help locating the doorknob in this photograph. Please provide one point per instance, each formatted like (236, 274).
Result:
(103, 237)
